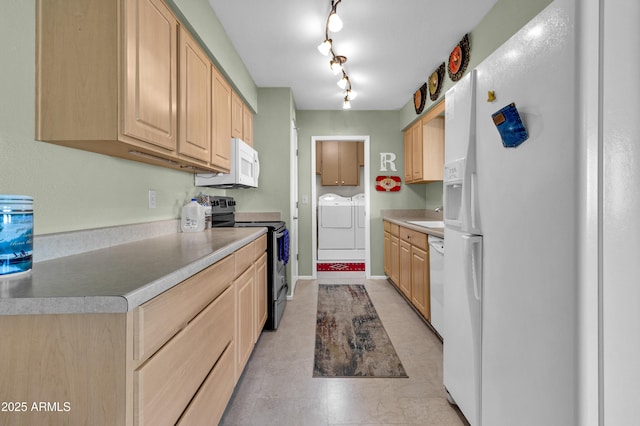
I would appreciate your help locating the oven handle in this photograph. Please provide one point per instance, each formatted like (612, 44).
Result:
(284, 288)
(280, 234)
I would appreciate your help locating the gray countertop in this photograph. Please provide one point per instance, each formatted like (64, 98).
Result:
(402, 218)
(120, 278)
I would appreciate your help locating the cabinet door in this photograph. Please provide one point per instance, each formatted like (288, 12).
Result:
(395, 260)
(261, 294)
(150, 73)
(405, 268)
(349, 169)
(236, 115)
(221, 125)
(420, 280)
(245, 322)
(416, 152)
(195, 100)
(247, 125)
(387, 253)
(330, 163)
(408, 156)
(433, 149)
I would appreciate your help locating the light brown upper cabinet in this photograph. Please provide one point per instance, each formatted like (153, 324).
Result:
(339, 163)
(236, 115)
(195, 100)
(107, 81)
(247, 125)
(241, 120)
(221, 143)
(424, 147)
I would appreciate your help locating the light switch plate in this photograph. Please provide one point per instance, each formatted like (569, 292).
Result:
(152, 198)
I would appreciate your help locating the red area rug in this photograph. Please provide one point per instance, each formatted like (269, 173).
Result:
(340, 266)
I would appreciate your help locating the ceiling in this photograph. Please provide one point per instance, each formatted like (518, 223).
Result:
(391, 46)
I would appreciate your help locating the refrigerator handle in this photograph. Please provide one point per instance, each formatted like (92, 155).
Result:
(473, 262)
(474, 201)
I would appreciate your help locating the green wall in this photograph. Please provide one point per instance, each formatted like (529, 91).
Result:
(383, 128)
(272, 139)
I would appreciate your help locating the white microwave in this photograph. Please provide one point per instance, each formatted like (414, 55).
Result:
(243, 173)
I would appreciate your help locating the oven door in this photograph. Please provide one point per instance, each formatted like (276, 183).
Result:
(280, 287)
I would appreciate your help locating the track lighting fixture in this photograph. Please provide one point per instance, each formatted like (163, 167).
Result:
(334, 24)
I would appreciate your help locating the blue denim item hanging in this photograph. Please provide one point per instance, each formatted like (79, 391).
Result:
(510, 126)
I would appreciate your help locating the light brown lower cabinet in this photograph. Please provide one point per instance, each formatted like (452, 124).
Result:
(392, 251)
(406, 260)
(169, 361)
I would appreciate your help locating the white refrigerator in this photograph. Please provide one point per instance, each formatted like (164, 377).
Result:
(511, 272)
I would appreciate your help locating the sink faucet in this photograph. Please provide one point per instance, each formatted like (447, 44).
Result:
(439, 209)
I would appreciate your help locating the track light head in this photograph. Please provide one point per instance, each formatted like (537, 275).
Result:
(346, 104)
(335, 23)
(336, 63)
(325, 47)
(344, 81)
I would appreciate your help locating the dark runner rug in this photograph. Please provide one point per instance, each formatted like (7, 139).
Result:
(350, 338)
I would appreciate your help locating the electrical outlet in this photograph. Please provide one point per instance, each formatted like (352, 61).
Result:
(152, 198)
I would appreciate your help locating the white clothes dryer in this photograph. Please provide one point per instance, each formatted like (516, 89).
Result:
(336, 227)
(359, 212)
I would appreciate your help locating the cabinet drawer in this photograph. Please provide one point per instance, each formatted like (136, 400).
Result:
(209, 404)
(394, 229)
(244, 257)
(163, 316)
(416, 238)
(167, 382)
(261, 246)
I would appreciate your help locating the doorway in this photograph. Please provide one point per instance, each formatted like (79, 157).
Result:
(340, 206)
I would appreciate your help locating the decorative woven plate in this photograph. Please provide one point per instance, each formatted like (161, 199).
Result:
(435, 82)
(419, 98)
(459, 59)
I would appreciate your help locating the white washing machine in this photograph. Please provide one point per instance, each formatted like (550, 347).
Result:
(358, 209)
(336, 225)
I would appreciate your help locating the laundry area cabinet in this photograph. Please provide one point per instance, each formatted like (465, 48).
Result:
(338, 163)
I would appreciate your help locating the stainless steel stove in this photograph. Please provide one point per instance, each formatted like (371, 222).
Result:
(223, 215)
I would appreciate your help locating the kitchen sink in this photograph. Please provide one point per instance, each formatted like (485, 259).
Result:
(428, 223)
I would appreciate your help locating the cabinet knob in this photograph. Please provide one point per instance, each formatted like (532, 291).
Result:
(336, 182)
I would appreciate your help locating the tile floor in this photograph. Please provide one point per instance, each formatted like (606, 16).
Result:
(277, 387)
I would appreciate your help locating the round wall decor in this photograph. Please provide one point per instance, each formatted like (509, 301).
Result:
(419, 98)
(459, 59)
(435, 82)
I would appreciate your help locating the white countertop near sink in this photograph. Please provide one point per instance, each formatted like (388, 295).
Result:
(428, 223)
